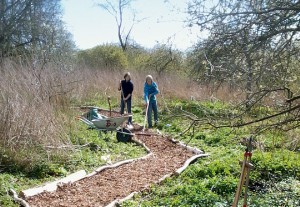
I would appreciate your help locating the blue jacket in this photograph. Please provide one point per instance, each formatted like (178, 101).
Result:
(150, 89)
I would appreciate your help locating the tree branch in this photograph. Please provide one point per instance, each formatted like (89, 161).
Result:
(293, 99)
(262, 119)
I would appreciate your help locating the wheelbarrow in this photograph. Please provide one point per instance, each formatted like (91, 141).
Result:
(103, 123)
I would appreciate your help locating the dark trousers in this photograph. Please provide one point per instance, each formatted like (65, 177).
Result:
(152, 107)
(128, 105)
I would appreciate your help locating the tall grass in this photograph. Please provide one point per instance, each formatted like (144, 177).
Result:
(29, 122)
(35, 105)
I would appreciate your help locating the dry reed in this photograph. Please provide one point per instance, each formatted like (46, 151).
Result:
(35, 104)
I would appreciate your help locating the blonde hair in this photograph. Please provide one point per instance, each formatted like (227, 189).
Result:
(149, 77)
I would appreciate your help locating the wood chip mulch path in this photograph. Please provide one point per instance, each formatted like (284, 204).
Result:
(117, 183)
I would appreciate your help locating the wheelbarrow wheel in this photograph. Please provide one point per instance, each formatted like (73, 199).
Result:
(124, 135)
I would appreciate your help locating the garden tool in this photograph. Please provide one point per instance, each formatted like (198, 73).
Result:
(108, 99)
(146, 115)
(123, 100)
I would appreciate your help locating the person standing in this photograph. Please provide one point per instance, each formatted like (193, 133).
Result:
(126, 88)
(150, 92)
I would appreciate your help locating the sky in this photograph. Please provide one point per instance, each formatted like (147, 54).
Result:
(162, 22)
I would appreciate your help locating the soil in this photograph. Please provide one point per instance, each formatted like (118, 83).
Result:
(110, 184)
(107, 113)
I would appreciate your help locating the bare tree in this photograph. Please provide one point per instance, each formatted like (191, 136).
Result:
(117, 8)
(254, 46)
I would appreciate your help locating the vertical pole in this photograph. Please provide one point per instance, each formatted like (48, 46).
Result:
(246, 187)
(244, 175)
(108, 99)
(146, 115)
(123, 99)
(240, 184)
(249, 154)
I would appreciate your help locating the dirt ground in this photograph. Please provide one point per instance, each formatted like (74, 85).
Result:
(110, 184)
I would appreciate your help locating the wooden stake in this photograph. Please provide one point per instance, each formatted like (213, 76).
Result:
(245, 171)
(240, 184)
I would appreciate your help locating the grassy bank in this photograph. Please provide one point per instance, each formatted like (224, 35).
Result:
(212, 181)
(88, 151)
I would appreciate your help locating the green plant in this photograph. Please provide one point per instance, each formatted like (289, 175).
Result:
(104, 56)
(212, 181)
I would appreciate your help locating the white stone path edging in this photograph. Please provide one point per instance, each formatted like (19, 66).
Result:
(51, 187)
(118, 202)
(138, 142)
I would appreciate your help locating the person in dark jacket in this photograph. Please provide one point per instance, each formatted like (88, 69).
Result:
(126, 88)
(150, 92)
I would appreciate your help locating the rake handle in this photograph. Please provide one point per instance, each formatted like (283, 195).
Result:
(123, 97)
(146, 115)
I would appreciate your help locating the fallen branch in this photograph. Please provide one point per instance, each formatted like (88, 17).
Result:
(68, 146)
(58, 147)
(146, 134)
(17, 199)
(186, 130)
(188, 162)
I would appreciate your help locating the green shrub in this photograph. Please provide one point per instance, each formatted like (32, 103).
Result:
(104, 56)
(276, 165)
